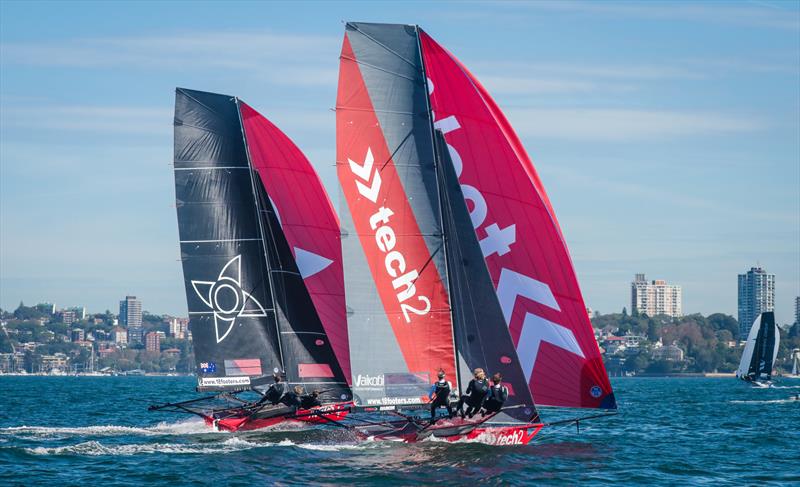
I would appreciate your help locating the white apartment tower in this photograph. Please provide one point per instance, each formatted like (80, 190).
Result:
(756, 295)
(655, 297)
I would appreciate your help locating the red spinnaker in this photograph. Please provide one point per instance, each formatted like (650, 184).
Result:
(308, 220)
(520, 237)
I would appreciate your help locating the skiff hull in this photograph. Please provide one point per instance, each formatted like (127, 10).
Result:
(321, 415)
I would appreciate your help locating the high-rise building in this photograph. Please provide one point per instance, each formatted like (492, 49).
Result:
(756, 295)
(655, 297)
(130, 311)
(797, 310)
(130, 314)
(153, 341)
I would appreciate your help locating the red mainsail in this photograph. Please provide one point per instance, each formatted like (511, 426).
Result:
(520, 238)
(308, 221)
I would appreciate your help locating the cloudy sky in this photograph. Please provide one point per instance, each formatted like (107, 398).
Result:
(667, 134)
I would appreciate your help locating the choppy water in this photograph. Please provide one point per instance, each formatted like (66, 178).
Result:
(96, 430)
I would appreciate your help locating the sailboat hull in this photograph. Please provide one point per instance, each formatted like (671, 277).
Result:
(458, 430)
(250, 422)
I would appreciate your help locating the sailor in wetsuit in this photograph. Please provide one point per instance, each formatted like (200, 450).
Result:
(477, 390)
(498, 394)
(440, 395)
(277, 392)
(306, 401)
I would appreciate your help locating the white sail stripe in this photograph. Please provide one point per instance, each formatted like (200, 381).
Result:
(222, 240)
(536, 330)
(211, 313)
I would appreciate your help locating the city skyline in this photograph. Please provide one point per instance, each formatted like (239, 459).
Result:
(648, 155)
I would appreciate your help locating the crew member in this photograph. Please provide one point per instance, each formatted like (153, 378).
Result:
(498, 394)
(477, 390)
(307, 401)
(276, 393)
(440, 395)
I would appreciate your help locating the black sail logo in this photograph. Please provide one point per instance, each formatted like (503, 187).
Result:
(226, 298)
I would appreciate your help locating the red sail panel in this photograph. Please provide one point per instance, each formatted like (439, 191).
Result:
(308, 220)
(520, 238)
(411, 292)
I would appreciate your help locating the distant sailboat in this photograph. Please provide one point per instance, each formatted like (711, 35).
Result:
(760, 351)
(795, 364)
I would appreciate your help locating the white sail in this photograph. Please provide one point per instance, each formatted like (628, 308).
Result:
(775, 350)
(749, 347)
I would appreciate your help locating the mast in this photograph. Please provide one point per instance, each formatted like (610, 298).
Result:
(436, 163)
(263, 236)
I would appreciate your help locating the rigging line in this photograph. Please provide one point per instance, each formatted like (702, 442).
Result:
(426, 264)
(397, 149)
(361, 63)
(355, 27)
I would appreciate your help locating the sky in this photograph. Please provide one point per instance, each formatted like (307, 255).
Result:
(667, 134)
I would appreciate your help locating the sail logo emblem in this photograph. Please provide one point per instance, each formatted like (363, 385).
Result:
(395, 263)
(226, 298)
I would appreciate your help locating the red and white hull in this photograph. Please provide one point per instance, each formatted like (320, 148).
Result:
(321, 415)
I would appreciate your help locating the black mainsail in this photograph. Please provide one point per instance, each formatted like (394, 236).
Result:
(250, 311)
(760, 350)
(231, 316)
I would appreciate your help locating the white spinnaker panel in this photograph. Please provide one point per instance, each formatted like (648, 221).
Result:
(749, 347)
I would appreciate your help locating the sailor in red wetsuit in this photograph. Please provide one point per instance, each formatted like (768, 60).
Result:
(440, 395)
(498, 394)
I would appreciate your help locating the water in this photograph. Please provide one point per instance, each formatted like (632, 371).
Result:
(74, 430)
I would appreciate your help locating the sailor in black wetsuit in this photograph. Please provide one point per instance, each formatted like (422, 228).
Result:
(477, 390)
(277, 392)
(498, 394)
(440, 395)
(306, 401)
(310, 401)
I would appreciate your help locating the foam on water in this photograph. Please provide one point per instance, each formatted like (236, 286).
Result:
(95, 448)
(771, 401)
(190, 427)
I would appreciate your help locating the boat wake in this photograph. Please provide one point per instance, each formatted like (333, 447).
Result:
(769, 401)
(191, 427)
(95, 448)
(784, 387)
(230, 445)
